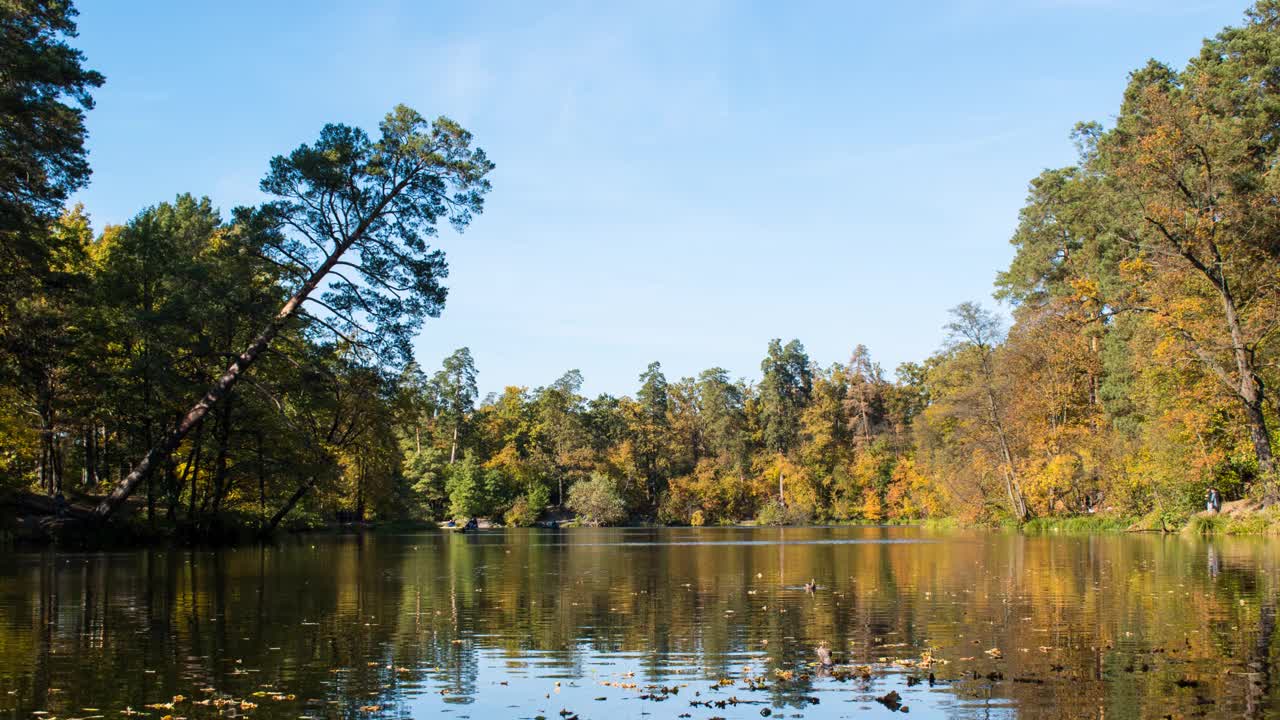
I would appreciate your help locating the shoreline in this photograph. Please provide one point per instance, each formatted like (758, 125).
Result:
(1237, 519)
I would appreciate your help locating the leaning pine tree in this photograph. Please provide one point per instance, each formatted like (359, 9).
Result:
(349, 227)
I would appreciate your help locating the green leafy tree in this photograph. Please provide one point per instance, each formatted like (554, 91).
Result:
(560, 440)
(464, 482)
(44, 92)
(346, 206)
(784, 391)
(651, 429)
(598, 500)
(454, 388)
(975, 334)
(723, 416)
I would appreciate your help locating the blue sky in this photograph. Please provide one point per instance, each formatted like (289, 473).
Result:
(676, 181)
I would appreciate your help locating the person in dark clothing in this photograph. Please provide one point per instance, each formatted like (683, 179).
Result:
(60, 506)
(1213, 501)
(472, 524)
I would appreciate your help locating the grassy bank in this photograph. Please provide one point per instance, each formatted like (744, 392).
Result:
(1238, 518)
(1082, 524)
(1243, 521)
(1078, 524)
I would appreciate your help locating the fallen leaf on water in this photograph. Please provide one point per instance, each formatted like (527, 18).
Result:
(891, 700)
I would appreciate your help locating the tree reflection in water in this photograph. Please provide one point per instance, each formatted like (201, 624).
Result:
(522, 623)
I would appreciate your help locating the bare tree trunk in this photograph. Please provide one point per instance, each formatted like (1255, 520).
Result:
(1094, 395)
(453, 452)
(359, 491)
(1262, 449)
(151, 499)
(1012, 486)
(262, 483)
(50, 456)
(86, 472)
(54, 477)
(1017, 501)
(44, 408)
(172, 488)
(1251, 394)
(182, 481)
(193, 470)
(220, 464)
(104, 458)
(148, 423)
(293, 500)
(1246, 384)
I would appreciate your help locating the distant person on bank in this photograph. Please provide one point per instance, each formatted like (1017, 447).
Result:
(1213, 501)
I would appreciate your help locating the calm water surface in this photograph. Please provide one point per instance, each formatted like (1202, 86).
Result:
(632, 623)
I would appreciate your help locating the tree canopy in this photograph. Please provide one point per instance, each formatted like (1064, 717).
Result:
(1130, 370)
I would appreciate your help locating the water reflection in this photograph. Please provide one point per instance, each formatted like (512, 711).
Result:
(633, 622)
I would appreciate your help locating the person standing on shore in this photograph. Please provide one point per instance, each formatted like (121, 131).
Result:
(1213, 501)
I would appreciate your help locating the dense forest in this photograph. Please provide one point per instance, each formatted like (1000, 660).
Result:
(250, 368)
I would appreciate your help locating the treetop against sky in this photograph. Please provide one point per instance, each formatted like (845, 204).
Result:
(681, 181)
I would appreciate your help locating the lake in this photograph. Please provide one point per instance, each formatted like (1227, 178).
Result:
(659, 623)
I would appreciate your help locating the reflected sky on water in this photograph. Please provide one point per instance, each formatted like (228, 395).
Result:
(647, 623)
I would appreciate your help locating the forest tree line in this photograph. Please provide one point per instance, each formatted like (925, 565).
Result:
(1137, 370)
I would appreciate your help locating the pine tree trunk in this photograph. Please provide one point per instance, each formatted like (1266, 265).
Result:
(146, 467)
(293, 500)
